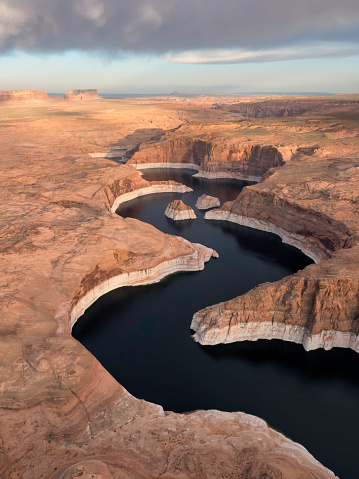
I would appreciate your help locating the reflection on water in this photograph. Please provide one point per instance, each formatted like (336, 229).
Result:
(141, 335)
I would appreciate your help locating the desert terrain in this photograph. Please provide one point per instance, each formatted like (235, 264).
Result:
(62, 246)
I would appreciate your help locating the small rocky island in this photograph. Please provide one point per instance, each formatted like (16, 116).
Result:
(205, 202)
(177, 211)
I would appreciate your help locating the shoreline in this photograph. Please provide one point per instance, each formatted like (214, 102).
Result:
(312, 251)
(148, 190)
(200, 173)
(268, 330)
(192, 262)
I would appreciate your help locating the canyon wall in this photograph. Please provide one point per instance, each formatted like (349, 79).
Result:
(10, 96)
(213, 159)
(62, 415)
(319, 306)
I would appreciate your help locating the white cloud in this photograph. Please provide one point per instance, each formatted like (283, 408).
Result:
(238, 55)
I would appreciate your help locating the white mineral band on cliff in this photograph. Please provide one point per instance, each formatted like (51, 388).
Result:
(148, 190)
(178, 211)
(253, 331)
(205, 202)
(217, 175)
(164, 165)
(192, 262)
(315, 252)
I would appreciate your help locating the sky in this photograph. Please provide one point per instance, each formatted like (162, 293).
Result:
(193, 46)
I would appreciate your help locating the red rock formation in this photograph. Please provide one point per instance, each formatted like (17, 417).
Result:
(205, 202)
(61, 414)
(319, 306)
(219, 158)
(177, 210)
(23, 96)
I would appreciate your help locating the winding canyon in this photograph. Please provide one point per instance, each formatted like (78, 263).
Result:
(62, 414)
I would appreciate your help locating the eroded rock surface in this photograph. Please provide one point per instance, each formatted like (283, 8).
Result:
(312, 203)
(11, 96)
(210, 151)
(61, 413)
(205, 202)
(177, 211)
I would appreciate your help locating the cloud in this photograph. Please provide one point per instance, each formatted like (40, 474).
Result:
(315, 50)
(202, 31)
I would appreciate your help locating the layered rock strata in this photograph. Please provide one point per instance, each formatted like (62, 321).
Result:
(212, 158)
(319, 306)
(191, 262)
(205, 202)
(177, 211)
(61, 414)
(153, 188)
(10, 96)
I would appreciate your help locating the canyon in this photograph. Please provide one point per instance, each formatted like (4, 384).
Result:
(62, 414)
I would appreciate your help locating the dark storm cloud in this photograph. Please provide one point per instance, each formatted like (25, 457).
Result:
(174, 26)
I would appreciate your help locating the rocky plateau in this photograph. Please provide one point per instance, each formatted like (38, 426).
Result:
(62, 415)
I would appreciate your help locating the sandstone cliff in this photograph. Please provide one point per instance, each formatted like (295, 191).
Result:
(205, 202)
(219, 157)
(61, 414)
(10, 96)
(318, 306)
(177, 211)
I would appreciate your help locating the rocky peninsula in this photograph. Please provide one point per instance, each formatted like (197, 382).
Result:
(62, 415)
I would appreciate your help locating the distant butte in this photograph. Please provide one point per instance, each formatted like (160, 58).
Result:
(11, 96)
(78, 95)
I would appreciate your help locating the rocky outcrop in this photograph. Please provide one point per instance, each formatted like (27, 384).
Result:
(205, 202)
(177, 211)
(213, 158)
(95, 285)
(319, 306)
(62, 415)
(149, 189)
(10, 96)
(82, 95)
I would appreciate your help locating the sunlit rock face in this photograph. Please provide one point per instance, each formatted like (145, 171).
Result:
(62, 414)
(317, 307)
(178, 211)
(205, 202)
(20, 96)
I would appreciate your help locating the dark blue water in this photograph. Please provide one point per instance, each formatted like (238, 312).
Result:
(141, 335)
